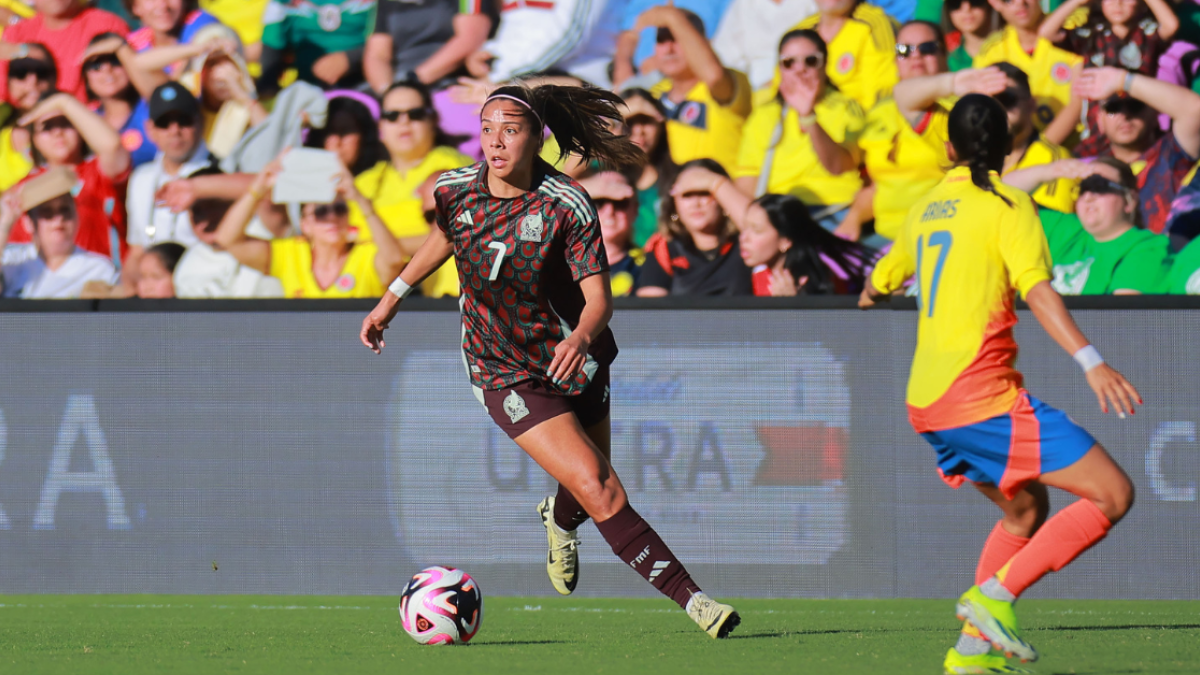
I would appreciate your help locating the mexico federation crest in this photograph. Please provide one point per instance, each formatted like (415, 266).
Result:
(531, 228)
(514, 407)
(329, 17)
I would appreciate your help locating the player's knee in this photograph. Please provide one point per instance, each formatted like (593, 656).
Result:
(1026, 514)
(1116, 500)
(601, 499)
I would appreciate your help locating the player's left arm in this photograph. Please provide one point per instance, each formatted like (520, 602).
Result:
(571, 353)
(889, 274)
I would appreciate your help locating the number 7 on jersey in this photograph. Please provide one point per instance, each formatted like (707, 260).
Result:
(501, 250)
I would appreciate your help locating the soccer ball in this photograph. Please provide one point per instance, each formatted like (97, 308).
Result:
(441, 606)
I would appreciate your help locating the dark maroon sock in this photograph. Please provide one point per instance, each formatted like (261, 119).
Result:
(635, 542)
(568, 514)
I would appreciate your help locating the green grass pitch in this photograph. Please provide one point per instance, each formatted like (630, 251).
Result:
(82, 634)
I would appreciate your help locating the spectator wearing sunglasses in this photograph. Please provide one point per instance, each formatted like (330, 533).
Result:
(751, 29)
(1119, 33)
(861, 40)
(805, 141)
(174, 128)
(114, 95)
(49, 265)
(616, 203)
(1049, 68)
(904, 150)
(322, 39)
(1131, 104)
(65, 27)
(416, 149)
(968, 24)
(645, 120)
(29, 77)
(696, 251)
(635, 49)
(706, 103)
(66, 134)
(327, 260)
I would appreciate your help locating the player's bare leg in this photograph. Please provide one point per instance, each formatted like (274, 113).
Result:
(566, 452)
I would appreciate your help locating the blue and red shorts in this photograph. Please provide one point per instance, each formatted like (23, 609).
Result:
(1010, 450)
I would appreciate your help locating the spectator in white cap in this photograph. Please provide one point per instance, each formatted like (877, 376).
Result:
(52, 266)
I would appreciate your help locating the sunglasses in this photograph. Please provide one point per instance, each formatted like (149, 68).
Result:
(810, 61)
(617, 204)
(324, 211)
(184, 120)
(1100, 185)
(52, 212)
(413, 115)
(1010, 98)
(1129, 107)
(931, 48)
(54, 123)
(97, 63)
(23, 68)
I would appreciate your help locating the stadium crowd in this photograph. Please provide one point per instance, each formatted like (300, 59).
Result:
(785, 140)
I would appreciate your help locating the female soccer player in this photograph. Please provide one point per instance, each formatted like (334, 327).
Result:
(536, 303)
(972, 242)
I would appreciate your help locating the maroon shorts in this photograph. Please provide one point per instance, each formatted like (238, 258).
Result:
(525, 405)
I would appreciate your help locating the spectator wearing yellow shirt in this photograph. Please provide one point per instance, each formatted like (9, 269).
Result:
(861, 39)
(245, 17)
(904, 144)
(326, 261)
(29, 77)
(1049, 68)
(706, 103)
(1029, 148)
(417, 148)
(804, 142)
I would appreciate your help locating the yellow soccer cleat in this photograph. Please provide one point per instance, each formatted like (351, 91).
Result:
(997, 620)
(717, 619)
(982, 664)
(562, 562)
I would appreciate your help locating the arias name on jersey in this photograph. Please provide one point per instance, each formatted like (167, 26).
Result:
(520, 262)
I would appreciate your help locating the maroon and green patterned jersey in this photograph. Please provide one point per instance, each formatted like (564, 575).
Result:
(520, 262)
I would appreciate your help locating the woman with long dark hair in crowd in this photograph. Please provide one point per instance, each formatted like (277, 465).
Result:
(536, 305)
(973, 243)
(645, 119)
(119, 93)
(696, 249)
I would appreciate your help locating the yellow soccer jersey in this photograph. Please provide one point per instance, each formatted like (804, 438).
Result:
(862, 56)
(291, 263)
(904, 162)
(699, 127)
(1048, 68)
(14, 164)
(796, 170)
(1059, 195)
(243, 16)
(969, 252)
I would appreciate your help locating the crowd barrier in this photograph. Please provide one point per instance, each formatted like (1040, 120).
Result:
(162, 448)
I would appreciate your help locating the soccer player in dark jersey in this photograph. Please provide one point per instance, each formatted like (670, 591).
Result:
(536, 303)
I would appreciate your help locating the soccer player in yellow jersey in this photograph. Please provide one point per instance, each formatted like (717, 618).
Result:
(861, 39)
(972, 243)
(706, 103)
(1051, 70)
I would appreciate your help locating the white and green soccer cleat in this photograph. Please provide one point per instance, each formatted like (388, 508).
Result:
(562, 561)
(717, 619)
(981, 664)
(997, 620)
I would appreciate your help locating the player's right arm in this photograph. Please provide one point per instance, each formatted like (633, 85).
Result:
(434, 253)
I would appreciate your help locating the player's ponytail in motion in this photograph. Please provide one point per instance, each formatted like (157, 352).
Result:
(979, 134)
(579, 118)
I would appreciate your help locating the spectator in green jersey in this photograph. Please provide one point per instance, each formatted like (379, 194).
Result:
(322, 38)
(1185, 272)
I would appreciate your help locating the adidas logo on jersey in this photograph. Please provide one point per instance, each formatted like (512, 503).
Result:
(465, 219)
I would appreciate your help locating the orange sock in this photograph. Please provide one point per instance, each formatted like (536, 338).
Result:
(1000, 547)
(1070, 532)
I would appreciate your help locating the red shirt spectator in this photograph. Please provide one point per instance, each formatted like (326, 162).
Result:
(65, 27)
(100, 206)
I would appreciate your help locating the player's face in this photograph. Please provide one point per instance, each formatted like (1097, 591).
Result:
(57, 140)
(508, 138)
(968, 17)
(154, 279)
(160, 15)
(1104, 214)
(54, 226)
(326, 223)
(759, 241)
(1023, 14)
(1119, 11)
(919, 39)
(406, 125)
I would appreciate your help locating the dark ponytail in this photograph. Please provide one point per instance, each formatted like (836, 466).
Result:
(816, 253)
(579, 118)
(979, 134)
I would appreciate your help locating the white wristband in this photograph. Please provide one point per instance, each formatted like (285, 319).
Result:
(400, 289)
(1088, 358)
